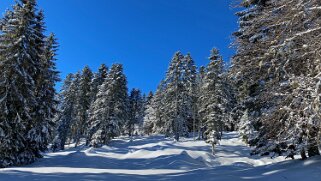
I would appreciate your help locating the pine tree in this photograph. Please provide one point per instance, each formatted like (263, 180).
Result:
(275, 66)
(175, 124)
(190, 97)
(25, 119)
(84, 101)
(149, 115)
(66, 115)
(201, 111)
(109, 112)
(136, 112)
(75, 90)
(214, 98)
(157, 111)
(45, 80)
(98, 79)
(246, 127)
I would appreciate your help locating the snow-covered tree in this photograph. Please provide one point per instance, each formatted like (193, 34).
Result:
(190, 97)
(154, 119)
(98, 79)
(246, 127)
(27, 96)
(201, 111)
(136, 113)
(149, 115)
(110, 110)
(45, 91)
(175, 122)
(276, 69)
(214, 98)
(66, 114)
(83, 104)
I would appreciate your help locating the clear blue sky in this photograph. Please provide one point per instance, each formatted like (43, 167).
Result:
(141, 34)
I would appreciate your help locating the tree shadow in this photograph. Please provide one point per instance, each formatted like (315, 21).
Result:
(288, 170)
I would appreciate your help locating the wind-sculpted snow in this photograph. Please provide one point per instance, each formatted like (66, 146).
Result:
(159, 158)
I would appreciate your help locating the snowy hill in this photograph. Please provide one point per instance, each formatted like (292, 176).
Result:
(159, 158)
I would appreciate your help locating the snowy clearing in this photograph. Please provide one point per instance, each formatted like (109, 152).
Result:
(159, 158)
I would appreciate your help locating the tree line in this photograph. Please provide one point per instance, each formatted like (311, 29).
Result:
(96, 107)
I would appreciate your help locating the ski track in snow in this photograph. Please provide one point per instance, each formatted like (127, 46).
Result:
(159, 158)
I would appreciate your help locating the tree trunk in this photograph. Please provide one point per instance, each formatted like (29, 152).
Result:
(313, 147)
(303, 154)
(213, 148)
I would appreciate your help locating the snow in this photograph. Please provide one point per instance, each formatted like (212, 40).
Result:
(159, 158)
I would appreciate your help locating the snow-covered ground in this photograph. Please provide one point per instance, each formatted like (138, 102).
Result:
(158, 158)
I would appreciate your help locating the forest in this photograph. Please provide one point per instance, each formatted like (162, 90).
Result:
(269, 92)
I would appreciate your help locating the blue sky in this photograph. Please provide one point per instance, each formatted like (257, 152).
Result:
(141, 34)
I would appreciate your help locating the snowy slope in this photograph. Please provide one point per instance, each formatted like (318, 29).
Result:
(158, 158)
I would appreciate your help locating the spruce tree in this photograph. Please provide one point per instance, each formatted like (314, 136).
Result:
(45, 80)
(214, 98)
(149, 115)
(136, 112)
(75, 90)
(110, 110)
(98, 79)
(276, 67)
(190, 88)
(157, 111)
(201, 98)
(84, 101)
(26, 115)
(66, 114)
(175, 124)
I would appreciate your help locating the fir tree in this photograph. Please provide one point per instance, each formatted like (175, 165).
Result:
(45, 80)
(136, 112)
(190, 86)
(157, 111)
(110, 110)
(84, 101)
(98, 79)
(26, 115)
(149, 115)
(175, 124)
(275, 67)
(66, 115)
(214, 98)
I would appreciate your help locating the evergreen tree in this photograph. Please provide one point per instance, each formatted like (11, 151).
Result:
(157, 111)
(246, 127)
(45, 80)
(136, 112)
(75, 90)
(201, 111)
(110, 110)
(98, 79)
(66, 115)
(84, 101)
(276, 69)
(25, 119)
(174, 105)
(190, 97)
(214, 99)
(149, 115)
(175, 124)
